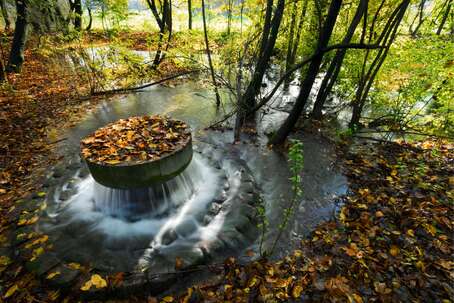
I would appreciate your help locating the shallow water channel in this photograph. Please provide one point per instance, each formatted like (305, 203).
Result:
(214, 220)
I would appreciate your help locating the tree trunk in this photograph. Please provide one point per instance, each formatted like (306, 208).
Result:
(334, 68)
(445, 17)
(296, 42)
(288, 59)
(5, 15)
(267, 48)
(164, 22)
(189, 14)
(247, 100)
(90, 18)
(78, 15)
(311, 74)
(16, 57)
(229, 17)
(388, 36)
(420, 17)
(210, 62)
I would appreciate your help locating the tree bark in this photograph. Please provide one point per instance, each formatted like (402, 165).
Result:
(190, 14)
(290, 39)
(334, 68)
(229, 17)
(164, 21)
(247, 100)
(388, 36)
(210, 62)
(78, 15)
(311, 74)
(445, 17)
(5, 15)
(420, 17)
(291, 60)
(16, 57)
(90, 18)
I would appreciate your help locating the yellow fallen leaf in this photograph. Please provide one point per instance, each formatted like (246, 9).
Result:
(36, 253)
(75, 266)
(52, 275)
(4, 260)
(95, 280)
(394, 250)
(11, 291)
(168, 299)
(296, 292)
(40, 240)
(98, 281)
(86, 286)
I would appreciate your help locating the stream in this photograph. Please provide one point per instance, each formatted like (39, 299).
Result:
(223, 186)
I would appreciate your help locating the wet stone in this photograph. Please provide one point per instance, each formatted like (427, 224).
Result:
(207, 219)
(65, 277)
(226, 186)
(169, 236)
(221, 197)
(249, 198)
(43, 264)
(189, 255)
(58, 172)
(65, 195)
(247, 187)
(83, 172)
(215, 208)
(74, 165)
(186, 228)
(247, 210)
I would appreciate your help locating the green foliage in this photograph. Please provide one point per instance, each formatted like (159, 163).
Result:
(296, 163)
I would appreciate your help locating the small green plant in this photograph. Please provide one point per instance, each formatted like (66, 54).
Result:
(296, 161)
(347, 133)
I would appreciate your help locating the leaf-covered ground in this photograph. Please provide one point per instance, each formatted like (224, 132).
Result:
(392, 241)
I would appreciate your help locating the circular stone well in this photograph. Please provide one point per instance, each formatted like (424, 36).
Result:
(140, 174)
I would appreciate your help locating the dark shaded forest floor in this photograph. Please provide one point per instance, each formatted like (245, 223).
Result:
(392, 241)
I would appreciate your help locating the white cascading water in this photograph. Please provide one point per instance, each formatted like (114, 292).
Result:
(117, 214)
(156, 200)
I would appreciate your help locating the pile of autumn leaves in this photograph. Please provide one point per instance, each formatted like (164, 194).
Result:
(392, 241)
(135, 140)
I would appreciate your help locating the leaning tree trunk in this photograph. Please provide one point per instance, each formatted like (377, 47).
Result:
(311, 74)
(420, 17)
(210, 62)
(5, 15)
(445, 17)
(266, 49)
(388, 36)
(247, 100)
(334, 68)
(16, 57)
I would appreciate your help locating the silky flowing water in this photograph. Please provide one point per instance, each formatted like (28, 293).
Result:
(204, 214)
